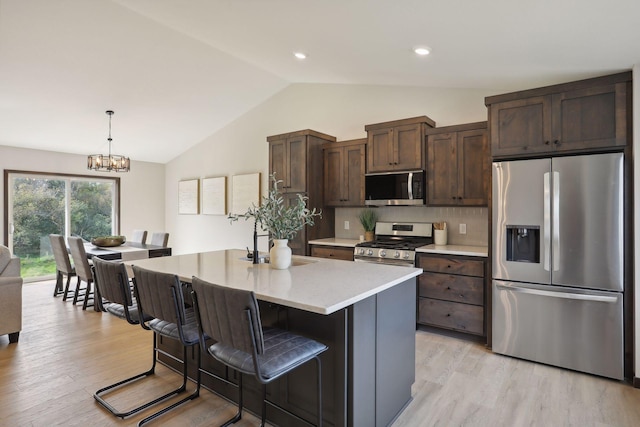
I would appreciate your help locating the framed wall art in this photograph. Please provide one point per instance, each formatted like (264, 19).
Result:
(214, 196)
(188, 197)
(245, 191)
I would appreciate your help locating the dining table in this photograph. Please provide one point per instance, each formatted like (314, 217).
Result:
(128, 251)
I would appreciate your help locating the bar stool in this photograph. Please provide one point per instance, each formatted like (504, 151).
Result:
(160, 296)
(231, 317)
(112, 281)
(63, 265)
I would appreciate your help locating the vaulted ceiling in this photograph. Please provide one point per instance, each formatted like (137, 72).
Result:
(177, 71)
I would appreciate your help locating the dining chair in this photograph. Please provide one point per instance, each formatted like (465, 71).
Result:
(160, 297)
(139, 236)
(112, 280)
(83, 270)
(160, 239)
(63, 265)
(231, 317)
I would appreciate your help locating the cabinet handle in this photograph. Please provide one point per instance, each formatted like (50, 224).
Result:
(448, 314)
(547, 142)
(448, 288)
(556, 142)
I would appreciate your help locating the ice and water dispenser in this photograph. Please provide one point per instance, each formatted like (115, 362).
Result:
(523, 243)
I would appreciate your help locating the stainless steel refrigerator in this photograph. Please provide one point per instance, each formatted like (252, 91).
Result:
(558, 261)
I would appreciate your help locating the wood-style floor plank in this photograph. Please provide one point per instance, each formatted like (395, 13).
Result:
(65, 354)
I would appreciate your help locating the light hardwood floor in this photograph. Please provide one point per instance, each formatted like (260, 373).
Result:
(65, 354)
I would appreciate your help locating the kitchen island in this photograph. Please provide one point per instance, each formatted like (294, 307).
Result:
(365, 313)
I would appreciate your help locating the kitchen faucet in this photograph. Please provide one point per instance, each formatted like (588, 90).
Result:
(256, 257)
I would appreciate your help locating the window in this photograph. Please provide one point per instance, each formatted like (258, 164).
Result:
(41, 204)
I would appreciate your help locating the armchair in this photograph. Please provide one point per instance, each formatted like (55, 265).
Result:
(10, 295)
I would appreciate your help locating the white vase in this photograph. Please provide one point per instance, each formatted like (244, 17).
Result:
(280, 254)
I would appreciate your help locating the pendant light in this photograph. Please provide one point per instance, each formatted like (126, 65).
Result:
(111, 162)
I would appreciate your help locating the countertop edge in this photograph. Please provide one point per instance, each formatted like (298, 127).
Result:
(335, 241)
(477, 251)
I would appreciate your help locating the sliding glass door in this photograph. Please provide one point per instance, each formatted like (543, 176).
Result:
(39, 205)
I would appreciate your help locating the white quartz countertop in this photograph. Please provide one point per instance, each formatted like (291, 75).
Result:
(317, 285)
(333, 241)
(481, 251)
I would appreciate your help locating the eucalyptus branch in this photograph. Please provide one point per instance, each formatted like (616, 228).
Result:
(281, 221)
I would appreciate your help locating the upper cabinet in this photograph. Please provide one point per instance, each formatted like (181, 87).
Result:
(397, 145)
(287, 159)
(344, 166)
(458, 165)
(296, 158)
(581, 116)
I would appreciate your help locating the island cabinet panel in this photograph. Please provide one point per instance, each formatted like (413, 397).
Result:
(583, 116)
(458, 165)
(397, 145)
(296, 158)
(451, 293)
(344, 168)
(332, 252)
(367, 371)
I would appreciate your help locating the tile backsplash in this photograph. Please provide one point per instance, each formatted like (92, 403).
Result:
(476, 220)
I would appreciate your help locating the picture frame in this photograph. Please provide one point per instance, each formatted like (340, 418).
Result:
(188, 197)
(246, 192)
(214, 196)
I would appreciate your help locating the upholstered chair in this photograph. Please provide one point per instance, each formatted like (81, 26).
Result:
(10, 295)
(160, 239)
(139, 236)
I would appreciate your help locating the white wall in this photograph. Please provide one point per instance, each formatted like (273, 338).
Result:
(338, 110)
(142, 203)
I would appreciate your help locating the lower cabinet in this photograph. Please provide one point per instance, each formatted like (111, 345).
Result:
(451, 293)
(332, 252)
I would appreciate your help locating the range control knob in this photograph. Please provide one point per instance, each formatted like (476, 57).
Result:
(369, 252)
(361, 251)
(383, 253)
(406, 255)
(397, 254)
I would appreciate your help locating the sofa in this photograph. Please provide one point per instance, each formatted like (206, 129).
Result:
(10, 295)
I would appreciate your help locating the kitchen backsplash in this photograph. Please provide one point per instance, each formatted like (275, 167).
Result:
(476, 220)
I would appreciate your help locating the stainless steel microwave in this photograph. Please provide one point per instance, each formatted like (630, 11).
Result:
(395, 188)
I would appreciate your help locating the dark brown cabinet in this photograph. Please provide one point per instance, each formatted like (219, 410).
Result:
(332, 252)
(397, 145)
(451, 293)
(297, 160)
(287, 159)
(344, 167)
(581, 116)
(458, 165)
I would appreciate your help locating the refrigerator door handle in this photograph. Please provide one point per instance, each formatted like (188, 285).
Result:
(556, 221)
(555, 294)
(547, 222)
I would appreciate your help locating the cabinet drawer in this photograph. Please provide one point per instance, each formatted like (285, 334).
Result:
(466, 289)
(451, 315)
(332, 252)
(451, 265)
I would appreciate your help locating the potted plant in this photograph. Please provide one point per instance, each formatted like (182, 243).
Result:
(368, 218)
(281, 221)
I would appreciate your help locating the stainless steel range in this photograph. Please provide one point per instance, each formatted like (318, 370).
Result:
(395, 243)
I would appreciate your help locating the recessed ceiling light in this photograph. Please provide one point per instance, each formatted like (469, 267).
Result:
(299, 55)
(422, 51)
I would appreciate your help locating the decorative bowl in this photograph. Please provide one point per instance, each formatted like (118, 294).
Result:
(108, 241)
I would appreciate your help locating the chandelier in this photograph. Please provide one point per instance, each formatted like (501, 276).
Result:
(108, 163)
